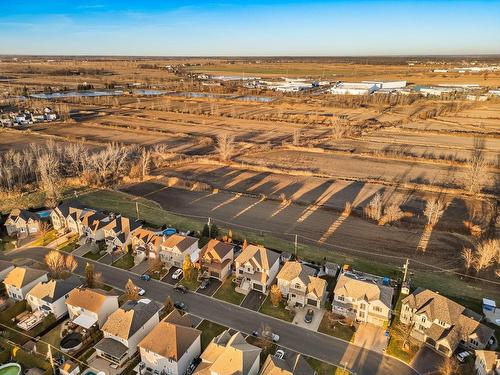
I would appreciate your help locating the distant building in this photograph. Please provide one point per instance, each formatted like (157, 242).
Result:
(22, 223)
(350, 88)
(388, 84)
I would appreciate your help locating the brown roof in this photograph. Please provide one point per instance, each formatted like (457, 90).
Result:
(215, 250)
(88, 299)
(434, 305)
(294, 269)
(316, 286)
(363, 288)
(175, 317)
(259, 256)
(129, 318)
(490, 359)
(179, 241)
(170, 340)
(290, 365)
(52, 290)
(229, 355)
(21, 276)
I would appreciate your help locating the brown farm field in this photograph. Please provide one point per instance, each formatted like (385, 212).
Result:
(307, 163)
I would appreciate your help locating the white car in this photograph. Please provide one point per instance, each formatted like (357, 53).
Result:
(462, 356)
(141, 292)
(280, 354)
(177, 274)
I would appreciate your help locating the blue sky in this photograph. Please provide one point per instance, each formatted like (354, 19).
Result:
(252, 27)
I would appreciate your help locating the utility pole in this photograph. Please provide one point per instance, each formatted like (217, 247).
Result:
(209, 229)
(137, 209)
(405, 268)
(51, 359)
(295, 246)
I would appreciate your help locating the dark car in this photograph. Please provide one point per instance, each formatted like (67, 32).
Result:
(205, 283)
(308, 318)
(181, 289)
(145, 277)
(180, 305)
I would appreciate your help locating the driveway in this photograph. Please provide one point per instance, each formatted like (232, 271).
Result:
(168, 277)
(100, 364)
(371, 337)
(427, 361)
(108, 258)
(84, 249)
(211, 289)
(141, 267)
(326, 348)
(300, 313)
(253, 300)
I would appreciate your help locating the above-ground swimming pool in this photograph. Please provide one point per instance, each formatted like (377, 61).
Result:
(10, 369)
(71, 341)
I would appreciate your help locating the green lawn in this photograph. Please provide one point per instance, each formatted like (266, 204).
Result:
(323, 368)
(52, 337)
(126, 262)
(7, 243)
(192, 283)
(69, 246)
(50, 236)
(466, 292)
(93, 256)
(227, 293)
(268, 347)
(278, 312)
(332, 327)
(208, 331)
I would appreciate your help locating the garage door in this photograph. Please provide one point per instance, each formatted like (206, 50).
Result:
(257, 287)
(430, 341)
(214, 274)
(312, 302)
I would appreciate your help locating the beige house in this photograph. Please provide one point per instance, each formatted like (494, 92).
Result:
(290, 365)
(87, 307)
(50, 296)
(174, 249)
(487, 362)
(66, 217)
(146, 242)
(442, 323)
(118, 233)
(363, 297)
(298, 283)
(229, 355)
(171, 346)
(21, 280)
(93, 224)
(125, 328)
(22, 223)
(216, 258)
(5, 268)
(256, 268)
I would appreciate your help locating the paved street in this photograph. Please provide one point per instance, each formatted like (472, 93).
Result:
(323, 347)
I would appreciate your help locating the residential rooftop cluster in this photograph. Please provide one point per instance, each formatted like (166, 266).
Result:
(27, 117)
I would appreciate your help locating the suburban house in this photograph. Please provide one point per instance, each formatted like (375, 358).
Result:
(290, 365)
(487, 362)
(442, 323)
(256, 268)
(118, 233)
(125, 328)
(50, 296)
(59, 217)
(146, 242)
(5, 268)
(174, 249)
(363, 297)
(22, 223)
(87, 306)
(171, 346)
(21, 280)
(299, 284)
(216, 258)
(229, 355)
(93, 225)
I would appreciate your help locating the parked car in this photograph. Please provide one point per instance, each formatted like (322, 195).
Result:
(280, 354)
(308, 318)
(141, 291)
(270, 335)
(181, 289)
(177, 274)
(180, 305)
(462, 356)
(205, 283)
(145, 277)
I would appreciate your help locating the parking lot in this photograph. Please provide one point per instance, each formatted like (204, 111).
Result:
(253, 300)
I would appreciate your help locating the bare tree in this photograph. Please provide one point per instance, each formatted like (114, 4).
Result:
(392, 213)
(468, 257)
(486, 254)
(448, 367)
(476, 168)
(90, 276)
(49, 176)
(55, 262)
(296, 137)
(71, 263)
(131, 291)
(145, 162)
(374, 209)
(225, 147)
(434, 209)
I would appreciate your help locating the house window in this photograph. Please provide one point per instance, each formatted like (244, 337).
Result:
(423, 319)
(293, 295)
(474, 342)
(340, 298)
(362, 306)
(377, 309)
(297, 286)
(362, 314)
